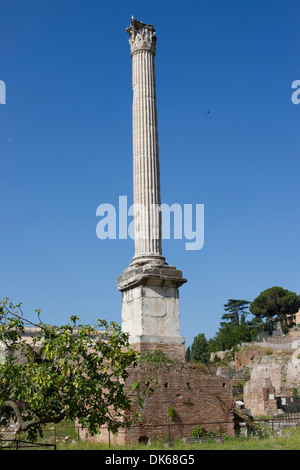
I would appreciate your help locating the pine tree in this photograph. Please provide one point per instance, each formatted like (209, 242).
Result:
(188, 355)
(199, 349)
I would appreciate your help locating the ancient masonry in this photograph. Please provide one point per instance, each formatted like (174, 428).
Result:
(149, 286)
(184, 398)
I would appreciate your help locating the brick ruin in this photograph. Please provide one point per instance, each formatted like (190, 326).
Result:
(184, 398)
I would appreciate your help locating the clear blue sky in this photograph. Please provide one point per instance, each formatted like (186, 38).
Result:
(65, 148)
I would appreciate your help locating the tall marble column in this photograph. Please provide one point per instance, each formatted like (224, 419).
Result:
(146, 178)
(149, 286)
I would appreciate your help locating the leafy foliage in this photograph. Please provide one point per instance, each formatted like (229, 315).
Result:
(155, 357)
(199, 349)
(228, 337)
(70, 372)
(172, 412)
(235, 329)
(276, 303)
(235, 311)
(188, 354)
(174, 416)
(200, 431)
(142, 388)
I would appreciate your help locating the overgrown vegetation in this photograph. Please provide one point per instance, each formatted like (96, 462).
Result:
(172, 413)
(200, 431)
(155, 357)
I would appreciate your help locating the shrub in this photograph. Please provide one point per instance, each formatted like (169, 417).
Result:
(156, 357)
(216, 359)
(173, 415)
(200, 431)
(171, 412)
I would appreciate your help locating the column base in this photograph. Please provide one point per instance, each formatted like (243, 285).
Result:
(151, 274)
(148, 258)
(150, 308)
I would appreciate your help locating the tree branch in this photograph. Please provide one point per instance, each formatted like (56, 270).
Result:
(25, 425)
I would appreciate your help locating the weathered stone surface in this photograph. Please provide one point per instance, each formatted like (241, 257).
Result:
(142, 36)
(280, 370)
(245, 358)
(270, 367)
(259, 397)
(150, 313)
(150, 274)
(293, 371)
(232, 373)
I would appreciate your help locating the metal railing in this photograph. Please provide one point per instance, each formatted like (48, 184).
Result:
(17, 444)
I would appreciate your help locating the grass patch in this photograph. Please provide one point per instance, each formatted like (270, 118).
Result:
(65, 435)
(289, 439)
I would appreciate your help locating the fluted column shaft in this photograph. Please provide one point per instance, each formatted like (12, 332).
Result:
(146, 176)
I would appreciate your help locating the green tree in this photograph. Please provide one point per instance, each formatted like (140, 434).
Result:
(275, 303)
(230, 336)
(75, 371)
(256, 325)
(235, 329)
(199, 349)
(188, 354)
(235, 311)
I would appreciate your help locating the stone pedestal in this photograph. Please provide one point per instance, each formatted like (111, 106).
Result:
(150, 308)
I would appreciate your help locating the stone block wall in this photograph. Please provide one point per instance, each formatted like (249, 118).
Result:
(260, 398)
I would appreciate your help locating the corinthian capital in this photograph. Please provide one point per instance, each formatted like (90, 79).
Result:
(142, 36)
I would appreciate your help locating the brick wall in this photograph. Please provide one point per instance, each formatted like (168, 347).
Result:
(197, 398)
